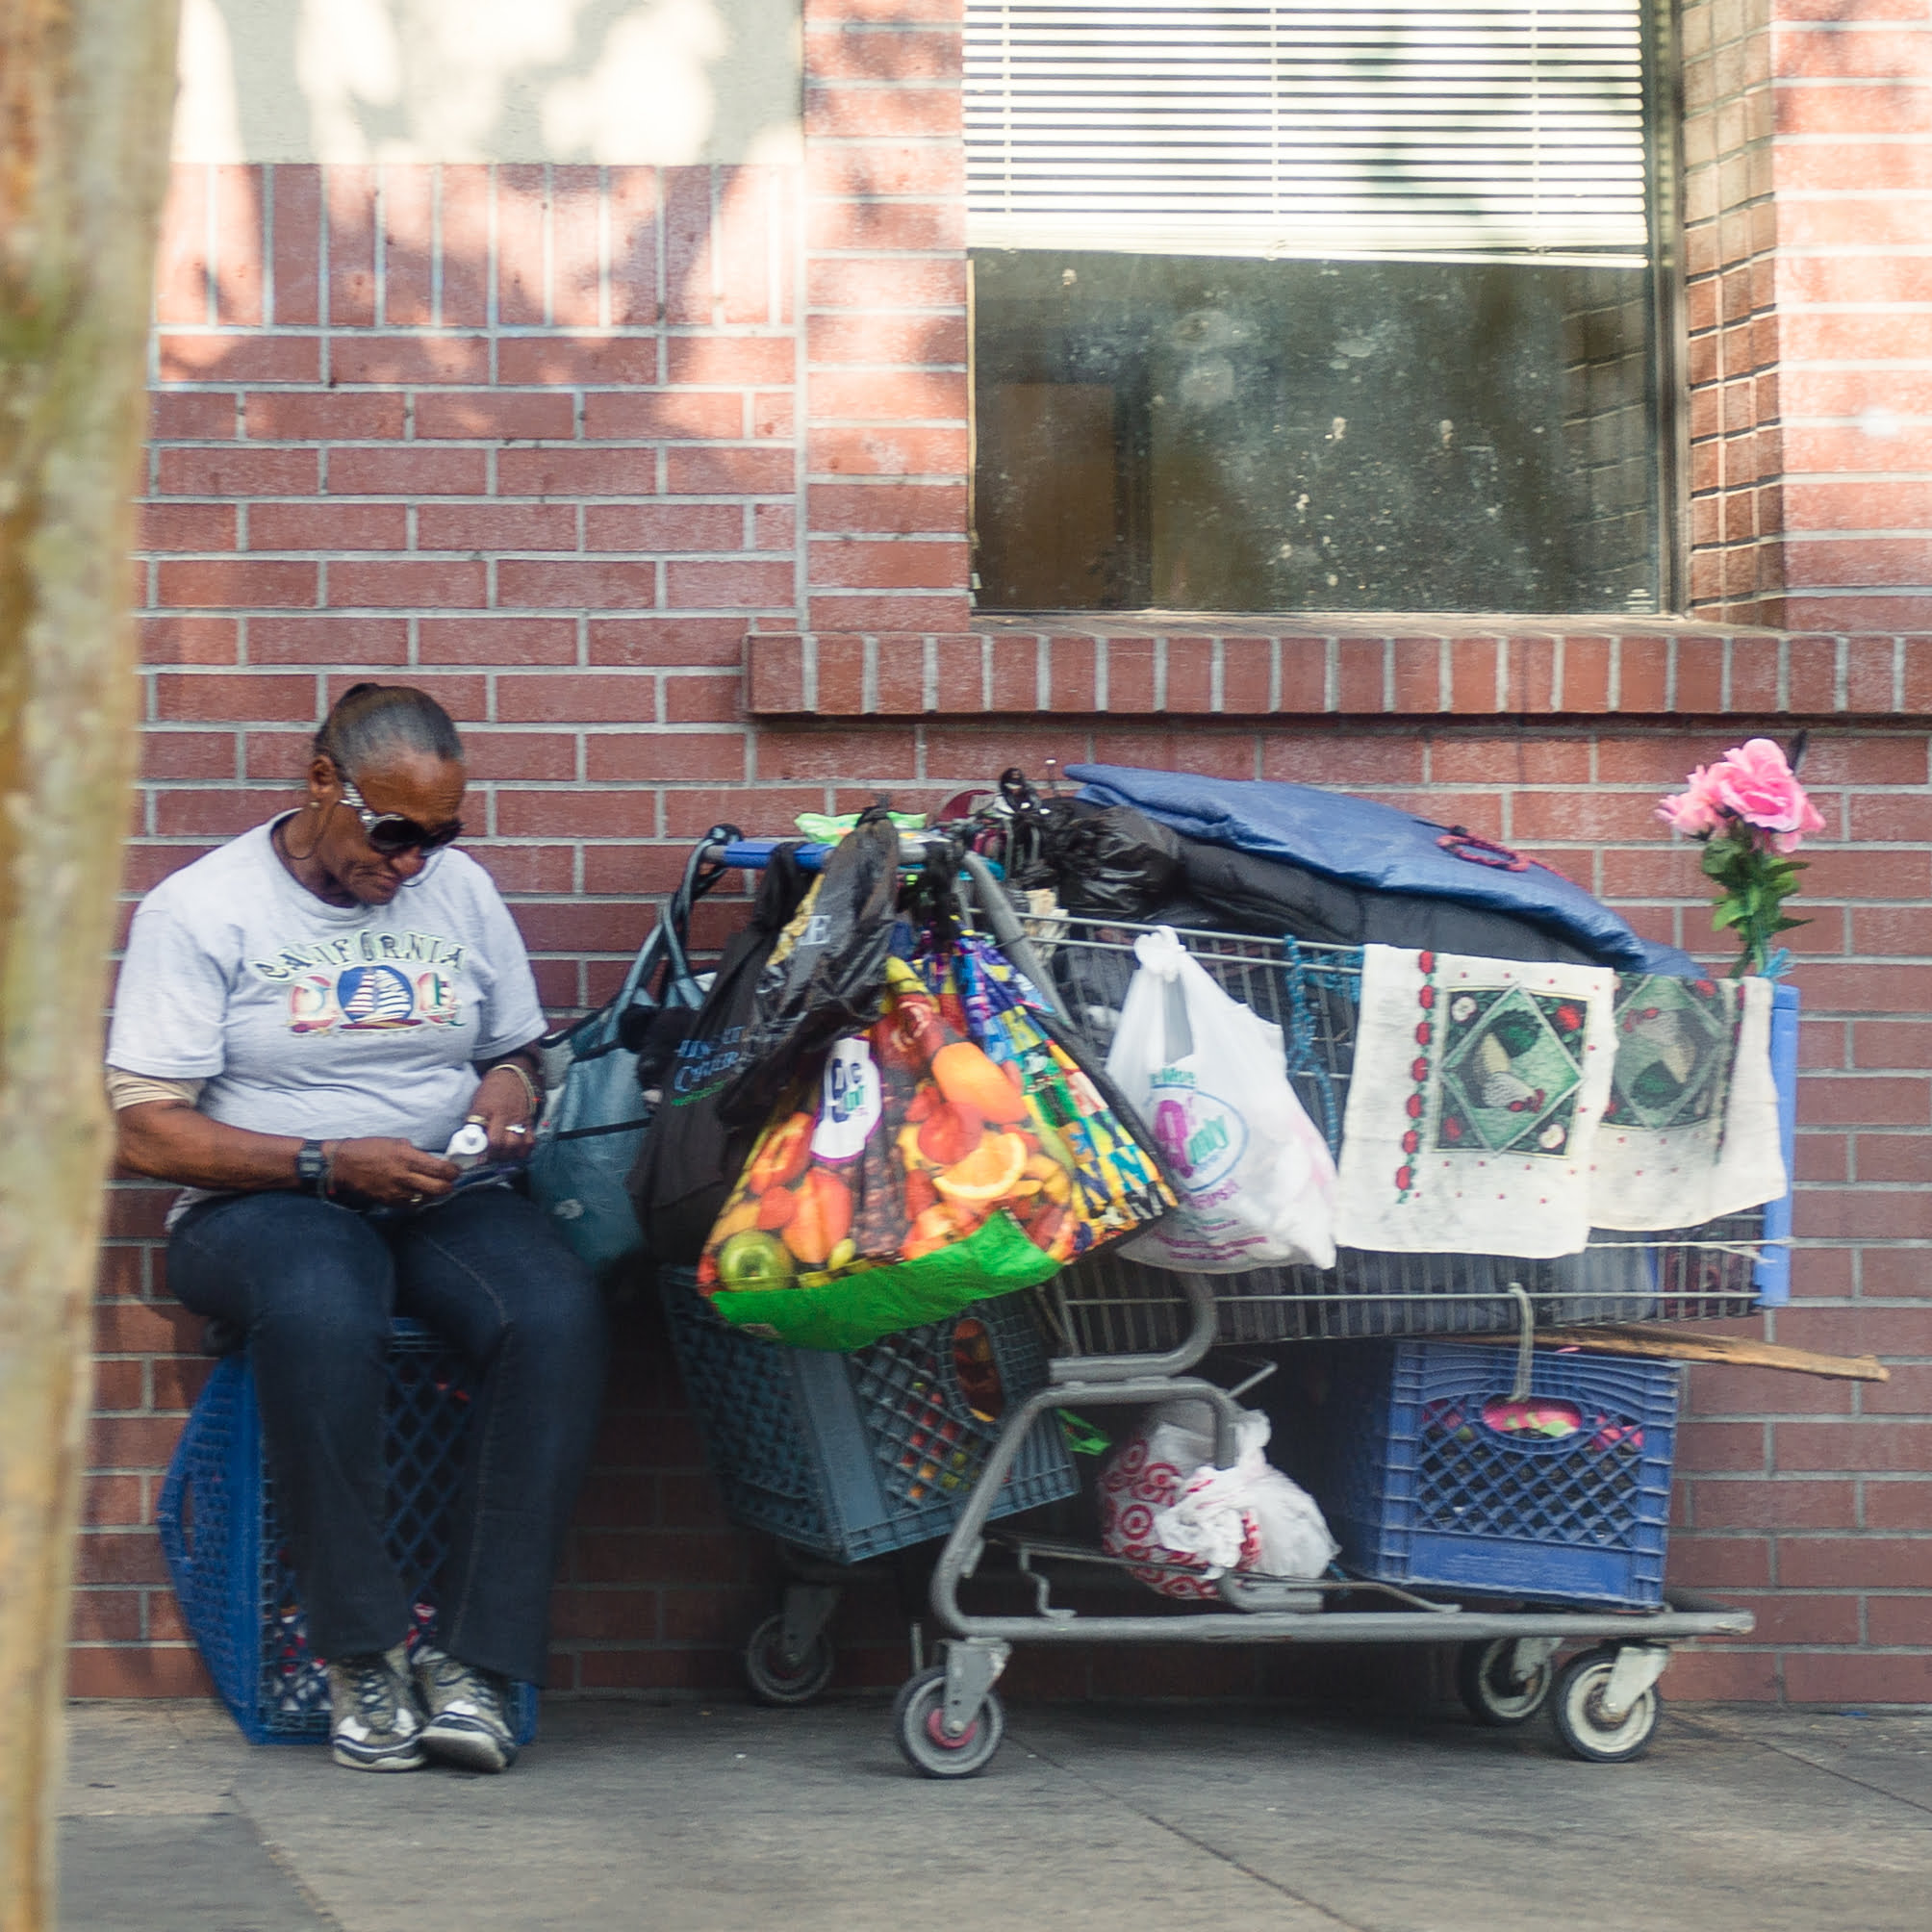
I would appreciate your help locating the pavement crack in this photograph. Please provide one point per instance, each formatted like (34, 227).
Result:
(1809, 1764)
(283, 1863)
(1199, 1843)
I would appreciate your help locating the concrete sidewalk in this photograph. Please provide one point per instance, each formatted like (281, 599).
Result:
(728, 1818)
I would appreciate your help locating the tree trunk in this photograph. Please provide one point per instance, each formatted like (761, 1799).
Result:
(87, 93)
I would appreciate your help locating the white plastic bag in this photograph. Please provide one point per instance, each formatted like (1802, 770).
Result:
(1162, 1500)
(1207, 1075)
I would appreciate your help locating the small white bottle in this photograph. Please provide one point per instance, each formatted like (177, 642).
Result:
(468, 1145)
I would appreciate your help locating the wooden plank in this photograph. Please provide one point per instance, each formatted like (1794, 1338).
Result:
(1676, 1345)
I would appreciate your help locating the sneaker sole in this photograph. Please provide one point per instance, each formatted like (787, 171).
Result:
(469, 1750)
(393, 1760)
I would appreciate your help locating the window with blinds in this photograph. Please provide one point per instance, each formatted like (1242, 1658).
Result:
(1501, 130)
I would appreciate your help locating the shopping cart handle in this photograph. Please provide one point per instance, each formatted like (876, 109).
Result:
(753, 855)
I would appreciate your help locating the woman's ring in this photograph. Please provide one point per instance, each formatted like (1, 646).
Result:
(517, 1129)
(416, 1200)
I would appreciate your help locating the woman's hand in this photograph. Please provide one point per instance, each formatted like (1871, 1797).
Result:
(390, 1171)
(501, 1103)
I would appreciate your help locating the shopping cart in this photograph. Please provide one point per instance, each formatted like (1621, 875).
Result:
(1129, 1337)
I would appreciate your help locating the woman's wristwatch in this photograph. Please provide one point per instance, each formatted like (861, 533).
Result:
(313, 1167)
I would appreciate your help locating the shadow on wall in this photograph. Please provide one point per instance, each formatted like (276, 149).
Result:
(666, 82)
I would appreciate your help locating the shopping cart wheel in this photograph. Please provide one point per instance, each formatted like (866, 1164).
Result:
(1507, 1681)
(918, 1719)
(1583, 1717)
(776, 1678)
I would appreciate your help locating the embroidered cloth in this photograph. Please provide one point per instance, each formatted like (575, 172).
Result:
(1691, 1131)
(1475, 1095)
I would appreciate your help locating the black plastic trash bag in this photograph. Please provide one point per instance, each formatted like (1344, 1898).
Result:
(833, 982)
(1115, 863)
(691, 1157)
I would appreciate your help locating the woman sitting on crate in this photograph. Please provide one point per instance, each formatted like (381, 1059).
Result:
(306, 1019)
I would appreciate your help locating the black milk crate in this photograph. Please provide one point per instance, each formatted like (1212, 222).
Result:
(848, 1456)
(1425, 1481)
(225, 1546)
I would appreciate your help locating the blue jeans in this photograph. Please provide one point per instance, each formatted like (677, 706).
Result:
(315, 1287)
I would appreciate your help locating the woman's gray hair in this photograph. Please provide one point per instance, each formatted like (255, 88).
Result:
(369, 720)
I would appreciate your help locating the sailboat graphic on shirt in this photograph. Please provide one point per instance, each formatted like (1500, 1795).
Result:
(372, 999)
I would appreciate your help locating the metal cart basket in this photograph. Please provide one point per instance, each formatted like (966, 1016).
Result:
(1127, 1335)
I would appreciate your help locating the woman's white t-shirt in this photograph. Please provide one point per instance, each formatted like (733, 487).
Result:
(322, 1021)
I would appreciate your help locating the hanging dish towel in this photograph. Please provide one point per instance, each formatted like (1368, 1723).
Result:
(1691, 1131)
(1474, 1101)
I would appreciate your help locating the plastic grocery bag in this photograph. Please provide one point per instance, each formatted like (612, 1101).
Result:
(1163, 1500)
(910, 1177)
(1207, 1076)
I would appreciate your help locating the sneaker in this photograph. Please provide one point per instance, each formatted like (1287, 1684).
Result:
(375, 1725)
(467, 1723)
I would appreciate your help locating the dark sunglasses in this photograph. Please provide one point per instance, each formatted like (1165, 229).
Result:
(391, 834)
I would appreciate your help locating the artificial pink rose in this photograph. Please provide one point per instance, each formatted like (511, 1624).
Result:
(1755, 783)
(1696, 813)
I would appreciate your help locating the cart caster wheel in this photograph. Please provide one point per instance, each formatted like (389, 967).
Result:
(777, 1679)
(1577, 1707)
(918, 1716)
(1493, 1688)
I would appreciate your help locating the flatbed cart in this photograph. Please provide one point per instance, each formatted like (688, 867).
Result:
(1132, 1337)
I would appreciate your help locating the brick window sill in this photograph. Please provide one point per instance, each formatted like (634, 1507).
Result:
(1361, 666)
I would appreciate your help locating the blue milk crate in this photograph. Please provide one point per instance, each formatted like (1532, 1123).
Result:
(224, 1544)
(1422, 1487)
(848, 1456)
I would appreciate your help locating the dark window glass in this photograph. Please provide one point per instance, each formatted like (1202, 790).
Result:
(1229, 434)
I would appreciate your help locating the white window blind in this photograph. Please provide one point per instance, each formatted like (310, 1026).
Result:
(1509, 129)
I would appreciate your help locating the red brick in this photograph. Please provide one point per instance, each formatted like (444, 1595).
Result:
(445, 583)
(497, 527)
(886, 452)
(407, 470)
(1247, 675)
(1904, 1505)
(328, 640)
(242, 358)
(589, 698)
(350, 194)
(519, 245)
(633, 246)
(653, 758)
(887, 509)
(700, 472)
(180, 416)
(892, 341)
(328, 526)
(853, 564)
(703, 700)
(581, 584)
(408, 245)
(858, 612)
(410, 360)
(336, 416)
(840, 113)
(1903, 1447)
(664, 526)
(232, 471)
(498, 640)
(186, 755)
(295, 203)
(1418, 674)
(576, 472)
(495, 415)
(465, 195)
(692, 415)
(673, 640)
(182, 285)
(237, 584)
(187, 526)
(94, 1671)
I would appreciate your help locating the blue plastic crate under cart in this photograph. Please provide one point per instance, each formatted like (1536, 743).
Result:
(848, 1456)
(224, 1545)
(1429, 1482)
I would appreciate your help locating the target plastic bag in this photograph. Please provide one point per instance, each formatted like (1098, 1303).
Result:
(1207, 1077)
(1163, 1501)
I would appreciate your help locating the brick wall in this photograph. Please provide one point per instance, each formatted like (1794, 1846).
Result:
(553, 440)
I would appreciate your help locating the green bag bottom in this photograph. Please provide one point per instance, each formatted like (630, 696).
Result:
(854, 1310)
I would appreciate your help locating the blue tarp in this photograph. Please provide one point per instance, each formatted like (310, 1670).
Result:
(1374, 846)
